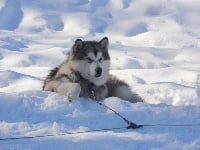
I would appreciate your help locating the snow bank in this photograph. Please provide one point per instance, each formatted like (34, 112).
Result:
(42, 113)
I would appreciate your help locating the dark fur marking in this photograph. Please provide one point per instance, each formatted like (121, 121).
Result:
(50, 76)
(53, 73)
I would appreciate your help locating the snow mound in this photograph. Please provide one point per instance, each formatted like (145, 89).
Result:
(42, 113)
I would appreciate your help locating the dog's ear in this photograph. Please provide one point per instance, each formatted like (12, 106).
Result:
(77, 45)
(104, 43)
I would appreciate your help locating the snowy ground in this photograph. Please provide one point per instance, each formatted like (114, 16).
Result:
(154, 46)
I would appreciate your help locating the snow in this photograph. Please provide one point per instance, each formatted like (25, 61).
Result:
(154, 46)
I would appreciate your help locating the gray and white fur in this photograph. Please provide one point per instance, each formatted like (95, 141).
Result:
(85, 73)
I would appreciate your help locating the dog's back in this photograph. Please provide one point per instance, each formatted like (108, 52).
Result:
(51, 76)
(119, 88)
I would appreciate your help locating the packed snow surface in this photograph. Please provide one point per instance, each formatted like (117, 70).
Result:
(154, 46)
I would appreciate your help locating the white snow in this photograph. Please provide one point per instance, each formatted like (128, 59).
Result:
(154, 46)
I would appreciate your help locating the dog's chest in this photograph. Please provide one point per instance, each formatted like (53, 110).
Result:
(92, 91)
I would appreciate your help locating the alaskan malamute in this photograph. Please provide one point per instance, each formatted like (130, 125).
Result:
(85, 73)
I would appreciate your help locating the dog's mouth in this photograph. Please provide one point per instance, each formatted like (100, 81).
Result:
(97, 75)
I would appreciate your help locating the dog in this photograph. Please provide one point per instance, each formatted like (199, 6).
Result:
(85, 73)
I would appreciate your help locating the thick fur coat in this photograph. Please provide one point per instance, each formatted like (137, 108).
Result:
(85, 73)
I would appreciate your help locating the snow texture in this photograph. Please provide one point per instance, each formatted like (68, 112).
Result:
(154, 46)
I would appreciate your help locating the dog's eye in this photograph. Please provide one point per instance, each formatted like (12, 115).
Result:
(89, 60)
(100, 59)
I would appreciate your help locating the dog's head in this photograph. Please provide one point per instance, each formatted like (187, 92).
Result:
(91, 59)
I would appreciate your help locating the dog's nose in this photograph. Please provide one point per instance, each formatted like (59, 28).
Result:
(98, 70)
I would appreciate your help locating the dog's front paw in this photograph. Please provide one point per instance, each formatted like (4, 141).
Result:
(74, 92)
(71, 90)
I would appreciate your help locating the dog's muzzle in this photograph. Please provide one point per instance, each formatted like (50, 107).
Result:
(98, 72)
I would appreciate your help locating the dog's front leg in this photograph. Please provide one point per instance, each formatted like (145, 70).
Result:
(71, 90)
